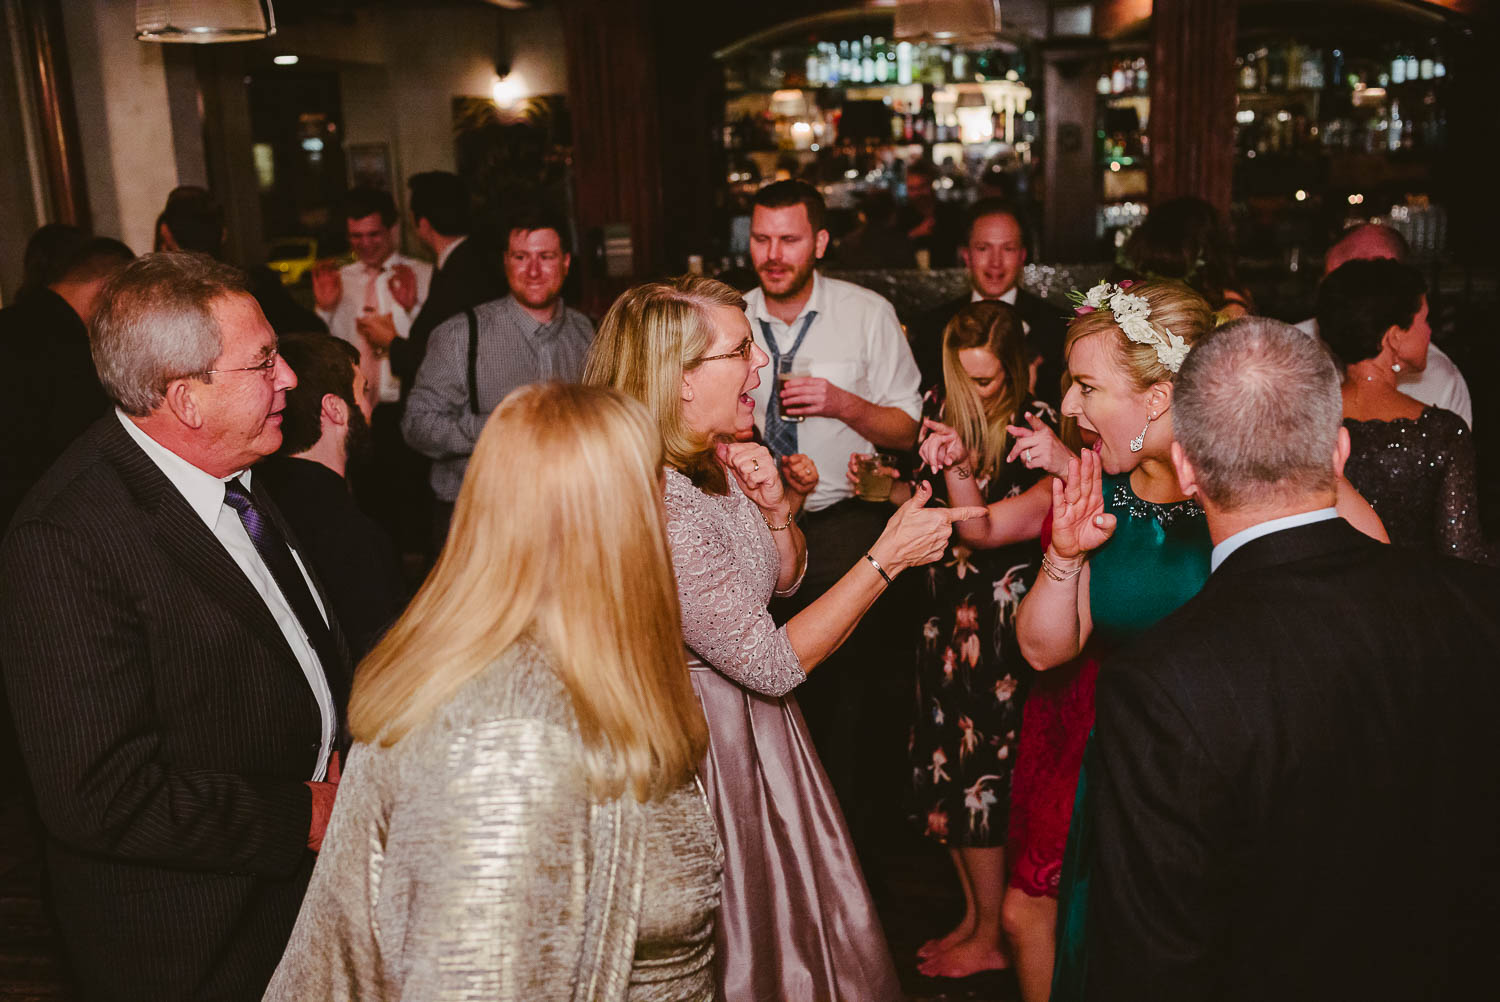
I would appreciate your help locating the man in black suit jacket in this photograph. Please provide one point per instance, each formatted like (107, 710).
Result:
(53, 393)
(465, 274)
(994, 252)
(176, 688)
(325, 423)
(1298, 795)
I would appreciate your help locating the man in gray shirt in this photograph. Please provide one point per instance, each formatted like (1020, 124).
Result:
(471, 365)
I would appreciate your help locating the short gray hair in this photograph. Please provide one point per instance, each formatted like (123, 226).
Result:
(155, 324)
(1257, 411)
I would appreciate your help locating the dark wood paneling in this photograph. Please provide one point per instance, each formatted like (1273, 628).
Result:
(52, 90)
(1192, 99)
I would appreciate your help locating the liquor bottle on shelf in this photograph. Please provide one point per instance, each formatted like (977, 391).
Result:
(867, 65)
(1142, 81)
(1117, 78)
(903, 63)
(1249, 76)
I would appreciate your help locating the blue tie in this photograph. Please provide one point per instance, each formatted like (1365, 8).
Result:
(781, 436)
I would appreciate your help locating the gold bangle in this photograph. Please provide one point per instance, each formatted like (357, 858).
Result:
(778, 528)
(878, 569)
(1057, 573)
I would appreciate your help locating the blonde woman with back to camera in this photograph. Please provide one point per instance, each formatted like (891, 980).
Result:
(519, 819)
(796, 922)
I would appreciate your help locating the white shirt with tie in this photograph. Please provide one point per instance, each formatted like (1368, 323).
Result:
(204, 494)
(357, 295)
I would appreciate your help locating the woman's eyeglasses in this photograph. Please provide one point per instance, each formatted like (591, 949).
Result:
(742, 352)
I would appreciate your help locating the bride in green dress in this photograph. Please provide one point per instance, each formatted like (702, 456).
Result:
(1128, 546)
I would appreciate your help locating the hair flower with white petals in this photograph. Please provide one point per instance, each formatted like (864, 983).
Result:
(1133, 314)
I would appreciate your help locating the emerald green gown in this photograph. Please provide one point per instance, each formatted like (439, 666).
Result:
(1157, 559)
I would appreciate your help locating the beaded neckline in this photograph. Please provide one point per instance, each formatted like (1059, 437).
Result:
(1164, 514)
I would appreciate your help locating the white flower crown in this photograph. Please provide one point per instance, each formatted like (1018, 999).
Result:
(1133, 314)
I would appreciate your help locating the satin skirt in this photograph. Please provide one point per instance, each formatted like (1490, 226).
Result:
(796, 923)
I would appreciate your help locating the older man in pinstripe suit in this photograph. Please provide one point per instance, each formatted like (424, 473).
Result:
(176, 682)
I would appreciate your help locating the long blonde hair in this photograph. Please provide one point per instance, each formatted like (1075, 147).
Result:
(996, 328)
(651, 336)
(558, 535)
(1174, 307)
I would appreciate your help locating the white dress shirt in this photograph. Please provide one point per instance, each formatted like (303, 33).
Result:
(1227, 546)
(355, 278)
(446, 253)
(204, 494)
(855, 343)
(1440, 384)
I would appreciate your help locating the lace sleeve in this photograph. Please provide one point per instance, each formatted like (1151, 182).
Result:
(1458, 528)
(724, 617)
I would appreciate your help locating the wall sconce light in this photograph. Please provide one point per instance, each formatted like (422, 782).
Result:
(203, 21)
(507, 88)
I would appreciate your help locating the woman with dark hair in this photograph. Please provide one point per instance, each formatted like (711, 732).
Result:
(1185, 239)
(1414, 463)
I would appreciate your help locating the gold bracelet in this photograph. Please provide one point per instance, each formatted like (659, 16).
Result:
(778, 528)
(1057, 573)
(878, 569)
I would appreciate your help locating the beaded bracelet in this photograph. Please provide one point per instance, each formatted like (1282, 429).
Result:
(778, 528)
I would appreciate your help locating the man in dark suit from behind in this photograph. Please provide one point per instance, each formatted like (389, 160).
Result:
(53, 393)
(1298, 795)
(994, 252)
(326, 422)
(466, 275)
(176, 684)
(194, 221)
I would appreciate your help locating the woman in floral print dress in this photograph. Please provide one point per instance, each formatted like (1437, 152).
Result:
(971, 681)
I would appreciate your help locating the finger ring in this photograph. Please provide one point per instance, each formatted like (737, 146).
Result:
(755, 465)
(1026, 455)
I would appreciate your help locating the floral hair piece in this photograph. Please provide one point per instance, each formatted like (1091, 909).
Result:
(1133, 314)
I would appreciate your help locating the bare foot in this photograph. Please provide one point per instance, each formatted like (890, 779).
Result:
(969, 957)
(933, 947)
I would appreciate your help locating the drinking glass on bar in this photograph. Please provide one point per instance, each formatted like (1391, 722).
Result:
(788, 368)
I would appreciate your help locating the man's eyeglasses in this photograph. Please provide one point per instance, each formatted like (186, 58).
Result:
(742, 352)
(265, 368)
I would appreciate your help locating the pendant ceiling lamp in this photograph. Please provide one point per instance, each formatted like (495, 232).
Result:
(203, 21)
(947, 20)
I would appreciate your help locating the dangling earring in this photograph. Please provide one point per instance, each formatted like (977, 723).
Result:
(1139, 442)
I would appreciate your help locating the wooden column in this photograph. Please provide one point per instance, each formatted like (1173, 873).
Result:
(1192, 99)
(52, 92)
(612, 97)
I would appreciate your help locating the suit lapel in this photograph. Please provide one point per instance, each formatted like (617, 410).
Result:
(183, 535)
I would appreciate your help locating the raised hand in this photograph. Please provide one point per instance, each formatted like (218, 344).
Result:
(403, 285)
(327, 285)
(756, 471)
(1038, 447)
(1079, 521)
(942, 447)
(801, 474)
(918, 535)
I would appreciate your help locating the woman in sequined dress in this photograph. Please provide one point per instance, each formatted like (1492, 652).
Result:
(1415, 464)
(519, 819)
(796, 920)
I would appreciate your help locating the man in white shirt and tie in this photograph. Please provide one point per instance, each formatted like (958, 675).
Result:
(371, 303)
(176, 681)
(856, 390)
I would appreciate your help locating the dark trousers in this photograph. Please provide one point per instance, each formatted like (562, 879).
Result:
(390, 485)
(855, 701)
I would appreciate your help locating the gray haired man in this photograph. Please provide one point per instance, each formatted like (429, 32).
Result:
(1302, 752)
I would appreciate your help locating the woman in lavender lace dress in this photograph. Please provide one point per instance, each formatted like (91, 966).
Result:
(796, 920)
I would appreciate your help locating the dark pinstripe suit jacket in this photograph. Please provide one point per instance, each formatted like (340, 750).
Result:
(167, 730)
(1298, 793)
